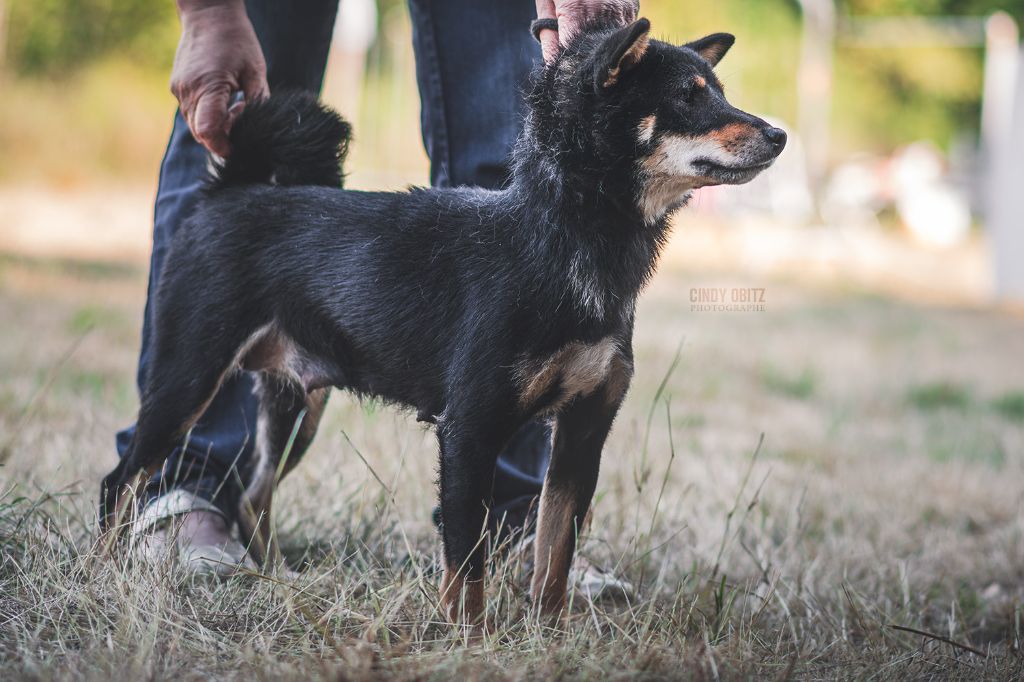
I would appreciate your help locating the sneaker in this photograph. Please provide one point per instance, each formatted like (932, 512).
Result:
(191, 530)
(595, 583)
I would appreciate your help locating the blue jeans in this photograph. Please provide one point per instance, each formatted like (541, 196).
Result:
(472, 59)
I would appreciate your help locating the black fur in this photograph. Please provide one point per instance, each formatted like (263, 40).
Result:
(475, 308)
(290, 140)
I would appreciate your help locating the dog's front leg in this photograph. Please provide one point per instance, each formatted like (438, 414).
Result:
(469, 451)
(579, 436)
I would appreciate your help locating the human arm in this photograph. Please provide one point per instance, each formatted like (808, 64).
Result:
(572, 14)
(218, 55)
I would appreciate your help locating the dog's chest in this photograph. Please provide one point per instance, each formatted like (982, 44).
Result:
(577, 369)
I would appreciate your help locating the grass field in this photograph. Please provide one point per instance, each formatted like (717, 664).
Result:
(886, 498)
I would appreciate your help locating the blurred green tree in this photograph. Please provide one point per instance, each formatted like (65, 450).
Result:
(889, 95)
(884, 96)
(55, 37)
(966, 8)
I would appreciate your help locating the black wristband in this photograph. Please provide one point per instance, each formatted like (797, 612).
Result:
(538, 25)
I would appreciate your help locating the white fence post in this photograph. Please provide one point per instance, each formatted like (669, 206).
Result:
(1006, 198)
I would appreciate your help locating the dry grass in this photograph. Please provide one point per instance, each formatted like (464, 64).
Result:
(875, 501)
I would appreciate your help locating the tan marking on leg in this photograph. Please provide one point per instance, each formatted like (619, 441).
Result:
(255, 520)
(256, 338)
(316, 401)
(265, 350)
(123, 514)
(579, 369)
(148, 472)
(553, 547)
(462, 600)
(587, 368)
(536, 377)
(619, 377)
(254, 509)
(254, 523)
(123, 506)
(195, 416)
(274, 351)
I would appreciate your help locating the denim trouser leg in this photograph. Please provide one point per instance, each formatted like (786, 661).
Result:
(295, 37)
(473, 58)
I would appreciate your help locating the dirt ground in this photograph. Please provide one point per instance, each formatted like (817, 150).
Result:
(886, 498)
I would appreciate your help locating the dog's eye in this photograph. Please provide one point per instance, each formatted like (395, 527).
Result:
(689, 94)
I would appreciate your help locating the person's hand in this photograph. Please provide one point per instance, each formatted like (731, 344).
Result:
(572, 14)
(218, 55)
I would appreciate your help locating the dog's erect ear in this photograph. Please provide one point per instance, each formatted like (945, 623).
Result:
(620, 52)
(713, 47)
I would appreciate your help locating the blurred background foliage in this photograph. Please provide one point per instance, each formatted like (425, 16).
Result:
(58, 37)
(85, 91)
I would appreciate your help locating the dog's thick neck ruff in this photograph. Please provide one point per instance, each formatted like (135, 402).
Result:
(578, 201)
(619, 131)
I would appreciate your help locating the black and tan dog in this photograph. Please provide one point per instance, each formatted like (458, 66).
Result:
(479, 309)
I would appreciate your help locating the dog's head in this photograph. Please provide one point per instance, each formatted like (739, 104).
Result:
(655, 112)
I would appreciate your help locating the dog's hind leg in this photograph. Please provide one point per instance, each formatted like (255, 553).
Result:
(579, 435)
(201, 330)
(287, 421)
(183, 377)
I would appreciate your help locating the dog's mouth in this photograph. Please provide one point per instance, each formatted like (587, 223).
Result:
(731, 175)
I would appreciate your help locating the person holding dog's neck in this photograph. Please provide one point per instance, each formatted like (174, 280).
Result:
(470, 88)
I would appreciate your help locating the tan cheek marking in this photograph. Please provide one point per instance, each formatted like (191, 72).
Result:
(662, 193)
(672, 154)
(645, 130)
(667, 173)
(653, 162)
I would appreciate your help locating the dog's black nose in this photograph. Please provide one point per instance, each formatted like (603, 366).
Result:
(777, 138)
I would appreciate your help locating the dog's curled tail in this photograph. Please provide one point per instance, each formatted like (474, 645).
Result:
(289, 138)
